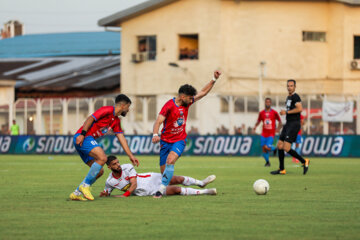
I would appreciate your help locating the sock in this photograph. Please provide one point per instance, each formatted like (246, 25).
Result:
(77, 189)
(298, 150)
(281, 159)
(77, 192)
(93, 172)
(293, 153)
(192, 191)
(168, 174)
(266, 156)
(188, 181)
(272, 148)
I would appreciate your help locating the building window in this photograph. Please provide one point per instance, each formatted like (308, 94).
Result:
(239, 104)
(224, 105)
(314, 36)
(192, 112)
(252, 104)
(188, 46)
(356, 47)
(138, 109)
(147, 48)
(152, 114)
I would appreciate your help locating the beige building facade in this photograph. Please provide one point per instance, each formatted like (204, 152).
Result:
(257, 44)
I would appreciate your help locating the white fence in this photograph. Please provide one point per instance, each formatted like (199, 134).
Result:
(234, 115)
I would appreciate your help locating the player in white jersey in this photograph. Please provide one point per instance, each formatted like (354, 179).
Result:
(125, 178)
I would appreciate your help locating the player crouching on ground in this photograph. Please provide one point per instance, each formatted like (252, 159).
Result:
(125, 178)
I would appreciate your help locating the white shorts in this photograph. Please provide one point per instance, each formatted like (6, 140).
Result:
(147, 184)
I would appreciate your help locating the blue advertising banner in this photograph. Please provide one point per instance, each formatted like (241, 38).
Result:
(322, 146)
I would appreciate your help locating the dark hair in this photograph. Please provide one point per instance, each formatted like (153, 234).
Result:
(110, 159)
(268, 99)
(292, 80)
(122, 98)
(187, 90)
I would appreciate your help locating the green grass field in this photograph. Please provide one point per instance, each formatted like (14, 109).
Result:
(325, 204)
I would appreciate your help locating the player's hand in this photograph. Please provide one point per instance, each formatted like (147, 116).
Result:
(79, 140)
(217, 74)
(282, 112)
(134, 161)
(156, 139)
(104, 194)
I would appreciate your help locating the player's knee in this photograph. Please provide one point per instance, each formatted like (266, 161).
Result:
(287, 148)
(170, 161)
(101, 160)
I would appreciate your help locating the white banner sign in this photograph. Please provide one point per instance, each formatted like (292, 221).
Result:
(338, 111)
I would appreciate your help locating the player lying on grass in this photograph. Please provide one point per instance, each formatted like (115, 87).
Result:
(125, 178)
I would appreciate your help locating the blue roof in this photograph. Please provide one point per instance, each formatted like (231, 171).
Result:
(61, 44)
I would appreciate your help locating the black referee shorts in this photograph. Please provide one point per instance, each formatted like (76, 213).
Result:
(290, 131)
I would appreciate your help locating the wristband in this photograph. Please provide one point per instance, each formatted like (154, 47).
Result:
(83, 132)
(127, 193)
(155, 135)
(214, 79)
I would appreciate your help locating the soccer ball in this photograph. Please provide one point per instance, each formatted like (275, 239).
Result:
(261, 187)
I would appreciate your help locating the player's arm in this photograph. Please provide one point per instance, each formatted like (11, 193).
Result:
(156, 138)
(133, 186)
(207, 87)
(257, 122)
(87, 124)
(125, 146)
(107, 191)
(297, 109)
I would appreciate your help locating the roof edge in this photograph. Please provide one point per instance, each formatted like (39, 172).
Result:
(117, 18)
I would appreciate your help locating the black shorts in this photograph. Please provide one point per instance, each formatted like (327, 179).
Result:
(290, 131)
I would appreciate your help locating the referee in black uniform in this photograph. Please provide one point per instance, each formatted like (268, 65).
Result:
(290, 130)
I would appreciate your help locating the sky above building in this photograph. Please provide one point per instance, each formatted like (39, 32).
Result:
(50, 16)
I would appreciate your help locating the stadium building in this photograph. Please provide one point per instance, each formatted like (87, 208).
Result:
(50, 82)
(257, 44)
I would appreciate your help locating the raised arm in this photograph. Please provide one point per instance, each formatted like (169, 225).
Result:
(126, 148)
(156, 128)
(207, 87)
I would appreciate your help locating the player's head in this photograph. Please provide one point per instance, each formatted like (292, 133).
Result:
(113, 164)
(123, 102)
(186, 94)
(14, 121)
(291, 85)
(268, 103)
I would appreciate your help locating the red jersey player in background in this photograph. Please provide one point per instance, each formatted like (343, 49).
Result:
(268, 117)
(104, 121)
(173, 116)
(299, 139)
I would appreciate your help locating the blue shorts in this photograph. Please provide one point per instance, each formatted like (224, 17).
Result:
(89, 144)
(266, 141)
(166, 148)
(298, 139)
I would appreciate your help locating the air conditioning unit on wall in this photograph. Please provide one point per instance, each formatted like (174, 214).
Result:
(355, 64)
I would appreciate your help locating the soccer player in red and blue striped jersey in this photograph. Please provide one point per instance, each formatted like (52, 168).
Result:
(268, 117)
(104, 121)
(173, 116)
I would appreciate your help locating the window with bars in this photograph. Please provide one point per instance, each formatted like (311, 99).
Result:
(308, 36)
